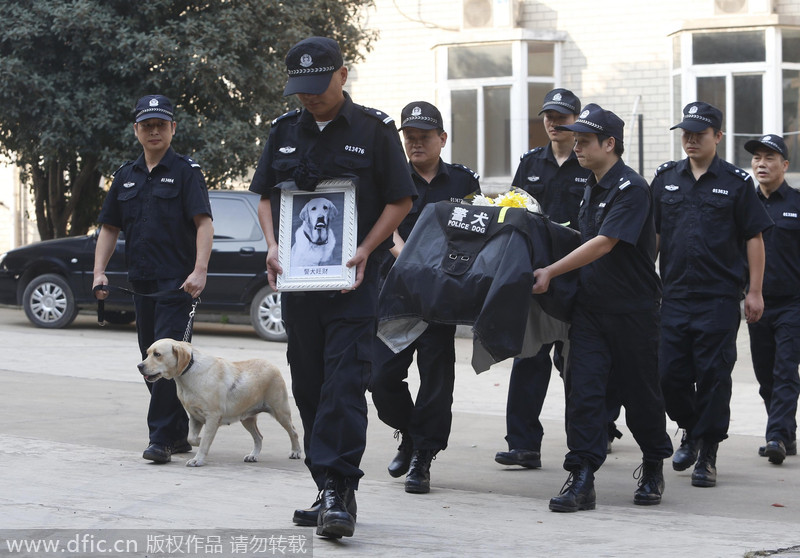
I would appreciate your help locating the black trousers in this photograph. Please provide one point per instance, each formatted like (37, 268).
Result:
(775, 350)
(696, 358)
(428, 418)
(160, 318)
(527, 389)
(330, 349)
(617, 352)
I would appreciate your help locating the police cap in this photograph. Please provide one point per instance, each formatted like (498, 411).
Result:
(596, 120)
(310, 65)
(698, 116)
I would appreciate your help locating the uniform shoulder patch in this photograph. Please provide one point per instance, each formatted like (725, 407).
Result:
(123, 165)
(379, 114)
(295, 112)
(466, 169)
(665, 167)
(531, 152)
(192, 162)
(736, 171)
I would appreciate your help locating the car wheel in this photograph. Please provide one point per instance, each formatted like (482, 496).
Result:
(265, 315)
(49, 302)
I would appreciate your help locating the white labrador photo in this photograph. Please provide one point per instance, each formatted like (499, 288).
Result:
(314, 239)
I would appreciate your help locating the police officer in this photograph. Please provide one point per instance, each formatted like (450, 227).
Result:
(423, 424)
(707, 216)
(773, 339)
(614, 331)
(161, 203)
(331, 333)
(554, 177)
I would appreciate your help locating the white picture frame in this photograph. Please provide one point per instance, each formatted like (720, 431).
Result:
(317, 237)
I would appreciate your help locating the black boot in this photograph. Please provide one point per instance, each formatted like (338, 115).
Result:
(399, 465)
(686, 455)
(334, 521)
(418, 480)
(577, 493)
(308, 517)
(651, 483)
(705, 472)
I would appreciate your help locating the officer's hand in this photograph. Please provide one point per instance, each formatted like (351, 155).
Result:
(753, 307)
(273, 267)
(360, 261)
(541, 280)
(195, 283)
(100, 280)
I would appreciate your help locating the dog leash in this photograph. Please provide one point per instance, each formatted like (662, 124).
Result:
(101, 306)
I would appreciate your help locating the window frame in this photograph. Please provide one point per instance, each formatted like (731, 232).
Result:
(771, 71)
(518, 83)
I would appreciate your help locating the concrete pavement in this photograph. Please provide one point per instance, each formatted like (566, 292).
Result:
(72, 429)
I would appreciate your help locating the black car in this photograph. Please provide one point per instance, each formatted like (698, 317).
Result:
(52, 280)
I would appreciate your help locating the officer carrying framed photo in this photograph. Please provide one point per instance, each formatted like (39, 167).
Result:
(331, 332)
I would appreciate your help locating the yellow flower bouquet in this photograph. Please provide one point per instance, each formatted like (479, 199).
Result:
(513, 198)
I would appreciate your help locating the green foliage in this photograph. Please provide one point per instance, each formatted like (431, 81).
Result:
(71, 71)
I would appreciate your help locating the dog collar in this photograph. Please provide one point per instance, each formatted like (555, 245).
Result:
(188, 366)
(311, 241)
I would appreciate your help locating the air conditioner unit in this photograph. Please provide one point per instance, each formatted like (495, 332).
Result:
(477, 14)
(743, 7)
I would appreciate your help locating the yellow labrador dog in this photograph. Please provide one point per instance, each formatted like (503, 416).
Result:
(216, 392)
(314, 240)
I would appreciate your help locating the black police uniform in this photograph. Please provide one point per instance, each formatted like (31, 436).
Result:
(559, 190)
(614, 332)
(156, 212)
(775, 338)
(428, 419)
(703, 225)
(331, 334)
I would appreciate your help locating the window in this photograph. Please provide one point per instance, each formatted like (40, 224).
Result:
(228, 221)
(493, 92)
(741, 73)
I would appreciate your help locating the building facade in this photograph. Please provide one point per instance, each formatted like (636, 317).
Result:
(487, 64)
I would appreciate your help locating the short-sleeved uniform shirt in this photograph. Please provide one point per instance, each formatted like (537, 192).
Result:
(558, 189)
(782, 243)
(451, 183)
(625, 279)
(704, 225)
(156, 212)
(360, 143)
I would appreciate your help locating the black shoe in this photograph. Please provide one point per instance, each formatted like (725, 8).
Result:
(308, 517)
(705, 471)
(181, 447)
(577, 493)
(791, 449)
(334, 520)
(776, 451)
(686, 455)
(522, 457)
(418, 480)
(158, 453)
(651, 483)
(399, 465)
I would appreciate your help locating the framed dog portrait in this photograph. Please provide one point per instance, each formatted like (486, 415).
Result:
(317, 236)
